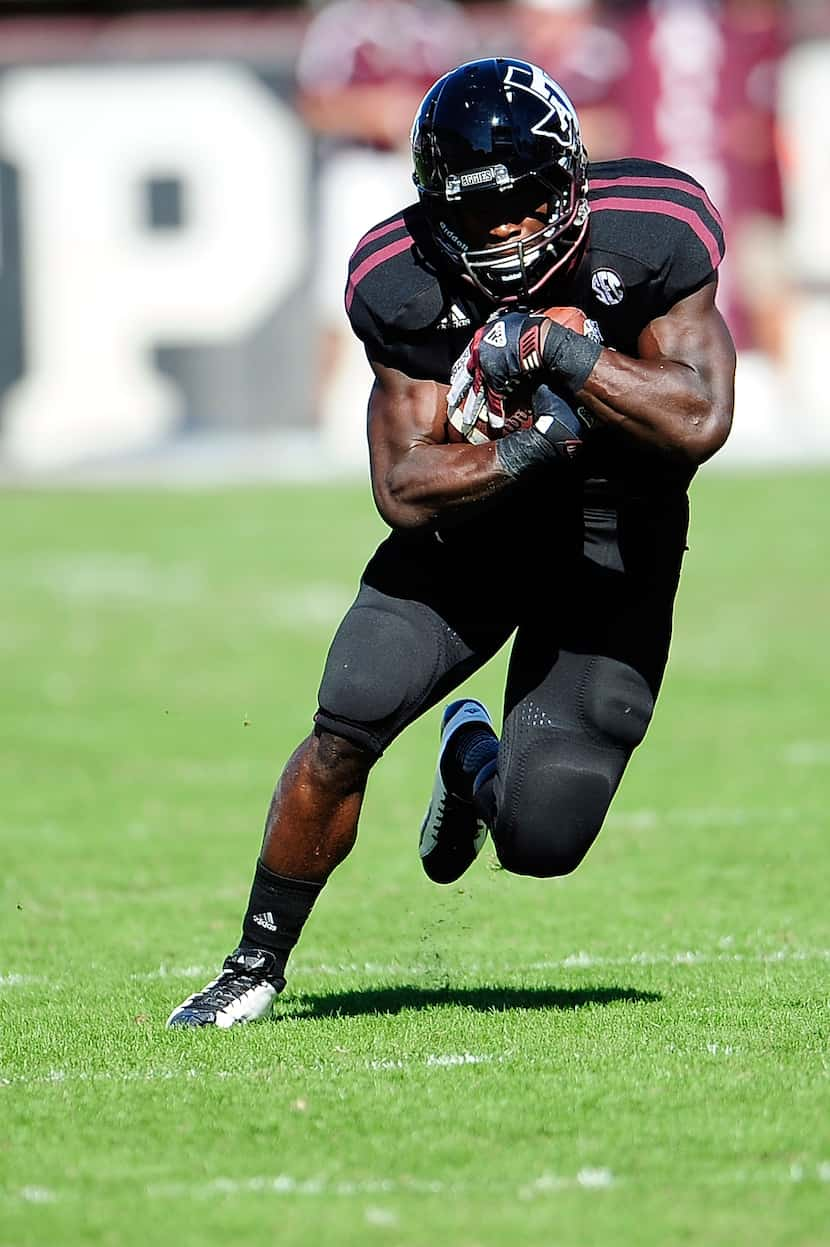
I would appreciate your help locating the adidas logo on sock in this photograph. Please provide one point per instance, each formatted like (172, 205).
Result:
(266, 920)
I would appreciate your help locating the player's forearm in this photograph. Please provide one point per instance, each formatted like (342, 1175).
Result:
(664, 404)
(440, 484)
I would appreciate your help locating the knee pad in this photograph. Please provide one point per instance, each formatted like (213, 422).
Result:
(373, 674)
(615, 703)
(565, 753)
(554, 817)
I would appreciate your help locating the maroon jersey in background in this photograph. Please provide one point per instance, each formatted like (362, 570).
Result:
(368, 63)
(580, 45)
(699, 91)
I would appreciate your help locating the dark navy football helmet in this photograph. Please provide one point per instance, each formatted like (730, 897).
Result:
(493, 139)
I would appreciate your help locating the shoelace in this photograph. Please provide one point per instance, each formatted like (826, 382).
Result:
(225, 993)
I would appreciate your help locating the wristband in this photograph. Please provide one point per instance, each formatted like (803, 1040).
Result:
(524, 451)
(570, 355)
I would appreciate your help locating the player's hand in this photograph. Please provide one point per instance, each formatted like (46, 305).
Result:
(562, 422)
(515, 345)
(505, 352)
(557, 433)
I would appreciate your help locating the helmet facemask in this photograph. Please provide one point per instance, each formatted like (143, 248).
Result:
(513, 270)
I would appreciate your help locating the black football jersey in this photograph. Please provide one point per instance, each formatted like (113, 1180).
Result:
(654, 237)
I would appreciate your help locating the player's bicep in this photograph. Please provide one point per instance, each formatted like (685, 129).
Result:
(404, 414)
(694, 334)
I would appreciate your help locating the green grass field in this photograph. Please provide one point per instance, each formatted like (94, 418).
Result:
(635, 1055)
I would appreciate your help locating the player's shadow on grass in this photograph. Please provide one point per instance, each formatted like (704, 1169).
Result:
(481, 999)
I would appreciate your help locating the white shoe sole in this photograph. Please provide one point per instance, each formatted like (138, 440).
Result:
(253, 1006)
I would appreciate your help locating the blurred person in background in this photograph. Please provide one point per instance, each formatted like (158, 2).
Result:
(577, 42)
(363, 68)
(560, 524)
(700, 86)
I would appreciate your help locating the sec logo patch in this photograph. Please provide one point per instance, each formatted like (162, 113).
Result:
(608, 286)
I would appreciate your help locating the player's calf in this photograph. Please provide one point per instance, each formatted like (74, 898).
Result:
(311, 827)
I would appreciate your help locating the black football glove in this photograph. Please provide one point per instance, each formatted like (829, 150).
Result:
(510, 349)
(557, 432)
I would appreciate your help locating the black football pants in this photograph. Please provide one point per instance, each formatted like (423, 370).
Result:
(589, 596)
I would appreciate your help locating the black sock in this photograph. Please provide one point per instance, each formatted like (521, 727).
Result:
(277, 910)
(476, 747)
(484, 793)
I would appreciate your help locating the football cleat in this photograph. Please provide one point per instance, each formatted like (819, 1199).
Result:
(452, 834)
(245, 991)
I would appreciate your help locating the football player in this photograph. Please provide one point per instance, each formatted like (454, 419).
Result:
(566, 534)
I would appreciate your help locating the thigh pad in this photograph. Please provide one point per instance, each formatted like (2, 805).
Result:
(375, 663)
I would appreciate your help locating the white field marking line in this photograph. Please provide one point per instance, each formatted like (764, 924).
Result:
(37, 1195)
(586, 1179)
(136, 579)
(549, 1183)
(311, 604)
(574, 961)
(99, 576)
(380, 1216)
(458, 1058)
(438, 1060)
(688, 957)
(434, 1060)
(581, 960)
(102, 1075)
(702, 816)
(18, 980)
(285, 1184)
(807, 753)
(798, 1173)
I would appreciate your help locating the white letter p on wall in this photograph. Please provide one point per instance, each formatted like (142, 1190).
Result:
(100, 287)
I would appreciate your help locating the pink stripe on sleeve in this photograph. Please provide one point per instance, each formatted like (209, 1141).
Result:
(674, 184)
(378, 233)
(667, 208)
(372, 261)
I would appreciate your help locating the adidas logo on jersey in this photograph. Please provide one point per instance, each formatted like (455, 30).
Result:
(266, 920)
(497, 336)
(457, 318)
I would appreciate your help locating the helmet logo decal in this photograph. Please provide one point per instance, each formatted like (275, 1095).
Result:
(477, 179)
(560, 122)
(608, 286)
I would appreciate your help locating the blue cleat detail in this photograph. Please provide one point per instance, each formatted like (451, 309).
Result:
(452, 834)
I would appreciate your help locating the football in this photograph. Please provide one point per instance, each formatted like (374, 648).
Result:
(489, 427)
